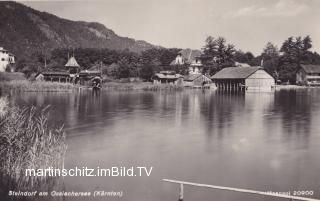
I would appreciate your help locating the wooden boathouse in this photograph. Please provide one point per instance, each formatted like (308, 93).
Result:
(72, 74)
(196, 80)
(241, 78)
(167, 77)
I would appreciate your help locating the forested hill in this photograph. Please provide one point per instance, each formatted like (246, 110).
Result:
(24, 31)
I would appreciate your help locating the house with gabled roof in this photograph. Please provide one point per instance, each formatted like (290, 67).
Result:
(308, 75)
(191, 58)
(234, 78)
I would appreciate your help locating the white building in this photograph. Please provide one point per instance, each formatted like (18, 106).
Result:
(191, 59)
(6, 58)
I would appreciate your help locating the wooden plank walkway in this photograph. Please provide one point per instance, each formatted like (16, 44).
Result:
(181, 183)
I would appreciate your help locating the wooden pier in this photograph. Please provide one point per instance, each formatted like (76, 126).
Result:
(182, 183)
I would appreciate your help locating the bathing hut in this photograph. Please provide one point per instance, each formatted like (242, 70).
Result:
(235, 78)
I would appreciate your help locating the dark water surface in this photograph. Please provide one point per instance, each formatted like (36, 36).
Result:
(260, 141)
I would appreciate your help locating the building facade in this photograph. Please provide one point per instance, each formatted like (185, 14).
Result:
(190, 58)
(308, 75)
(6, 58)
(235, 78)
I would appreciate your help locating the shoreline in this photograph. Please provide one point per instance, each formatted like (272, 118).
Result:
(37, 86)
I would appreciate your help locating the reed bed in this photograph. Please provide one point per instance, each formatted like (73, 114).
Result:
(36, 86)
(27, 142)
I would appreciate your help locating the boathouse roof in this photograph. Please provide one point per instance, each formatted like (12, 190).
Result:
(57, 73)
(235, 72)
(72, 62)
(192, 77)
(167, 76)
(311, 68)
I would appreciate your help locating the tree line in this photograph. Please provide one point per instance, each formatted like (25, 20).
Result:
(281, 63)
(217, 54)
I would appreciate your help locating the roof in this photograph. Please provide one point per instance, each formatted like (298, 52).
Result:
(2, 49)
(72, 63)
(192, 77)
(235, 72)
(188, 56)
(238, 64)
(90, 72)
(55, 73)
(311, 68)
(167, 76)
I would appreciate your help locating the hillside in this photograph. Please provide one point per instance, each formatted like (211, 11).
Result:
(25, 31)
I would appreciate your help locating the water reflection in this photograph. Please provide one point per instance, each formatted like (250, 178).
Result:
(262, 141)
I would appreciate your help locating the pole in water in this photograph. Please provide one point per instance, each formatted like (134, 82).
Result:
(181, 193)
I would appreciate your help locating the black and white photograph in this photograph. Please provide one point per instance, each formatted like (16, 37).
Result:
(160, 100)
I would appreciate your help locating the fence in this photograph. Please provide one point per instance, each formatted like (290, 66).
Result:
(182, 183)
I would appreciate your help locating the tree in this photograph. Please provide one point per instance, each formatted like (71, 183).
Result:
(270, 57)
(217, 54)
(270, 51)
(295, 52)
(243, 57)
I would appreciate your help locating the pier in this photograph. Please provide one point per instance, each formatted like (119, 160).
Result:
(182, 183)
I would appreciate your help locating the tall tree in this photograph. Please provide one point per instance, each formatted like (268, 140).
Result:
(295, 51)
(270, 57)
(217, 54)
(243, 57)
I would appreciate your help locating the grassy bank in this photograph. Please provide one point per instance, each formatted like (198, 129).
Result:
(27, 141)
(28, 86)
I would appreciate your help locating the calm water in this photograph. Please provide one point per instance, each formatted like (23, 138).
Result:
(261, 141)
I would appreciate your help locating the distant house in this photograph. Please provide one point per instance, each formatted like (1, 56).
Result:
(308, 75)
(6, 58)
(167, 77)
(238, 64)
(234, 78)
(196, 80)
(191, 58)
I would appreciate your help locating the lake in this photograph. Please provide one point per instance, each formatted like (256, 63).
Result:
(259, 141)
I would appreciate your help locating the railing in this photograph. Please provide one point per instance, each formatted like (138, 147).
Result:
(182, 183)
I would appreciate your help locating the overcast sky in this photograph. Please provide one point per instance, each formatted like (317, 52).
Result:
(248, 24)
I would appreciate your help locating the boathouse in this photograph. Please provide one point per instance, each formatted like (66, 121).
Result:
(70, 74)
(308, 75)
(167, 77)
(235, 78)
(196, 80)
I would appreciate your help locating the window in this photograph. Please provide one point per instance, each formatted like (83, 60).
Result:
(2, 59)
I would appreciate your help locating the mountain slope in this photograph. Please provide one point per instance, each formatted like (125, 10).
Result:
(25, 31)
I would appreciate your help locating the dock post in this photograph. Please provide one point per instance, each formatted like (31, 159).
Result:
(181, 193)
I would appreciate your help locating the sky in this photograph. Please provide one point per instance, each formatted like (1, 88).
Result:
(248, 24)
